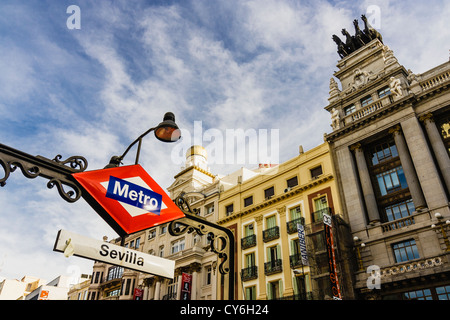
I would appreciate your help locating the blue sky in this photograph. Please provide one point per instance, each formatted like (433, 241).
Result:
(262, 64)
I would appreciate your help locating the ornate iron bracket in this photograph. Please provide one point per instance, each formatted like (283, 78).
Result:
(221, 239)
(58, 172)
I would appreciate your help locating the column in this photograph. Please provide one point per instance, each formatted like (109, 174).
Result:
(422, 159)
(438, 146)
(366, 185)
(194, 283)
(260, 245)
(288, 290)
(158, 289)
(351, 195)
(408, 168)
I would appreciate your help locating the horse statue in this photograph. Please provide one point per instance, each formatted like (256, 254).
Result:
(342, 50)
(360, 37)
(369, 31)
(350, 44)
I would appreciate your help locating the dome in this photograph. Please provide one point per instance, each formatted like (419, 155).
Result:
(196, 151)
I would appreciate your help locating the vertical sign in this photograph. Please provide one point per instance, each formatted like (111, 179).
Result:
(138, 294)
(186, 285)
(302, 242)
(336, 291)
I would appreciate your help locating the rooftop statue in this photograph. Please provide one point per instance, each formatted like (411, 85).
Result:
(360, 39)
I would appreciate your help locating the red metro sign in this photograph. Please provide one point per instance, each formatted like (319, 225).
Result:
(128, 198)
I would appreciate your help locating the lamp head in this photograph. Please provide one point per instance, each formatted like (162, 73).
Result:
(168, 131)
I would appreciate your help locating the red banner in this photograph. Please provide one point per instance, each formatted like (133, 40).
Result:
(335, 289)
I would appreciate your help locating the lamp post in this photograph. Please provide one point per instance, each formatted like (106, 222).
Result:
(166, 131)
(358, 252)
(443, 226)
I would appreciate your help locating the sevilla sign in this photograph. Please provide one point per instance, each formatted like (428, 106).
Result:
(128, 198)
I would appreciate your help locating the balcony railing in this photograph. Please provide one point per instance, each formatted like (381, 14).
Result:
(397, 224)
(292, 225)
(318, 215)
(273, 266)
(271, 234)
(295, 260)
(249, 273)
(248, 242)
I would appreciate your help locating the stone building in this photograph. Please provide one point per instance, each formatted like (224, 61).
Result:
(390, 142)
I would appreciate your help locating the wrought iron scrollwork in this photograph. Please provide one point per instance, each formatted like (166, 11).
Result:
(221, 240)
(58, 172)
(76, 162)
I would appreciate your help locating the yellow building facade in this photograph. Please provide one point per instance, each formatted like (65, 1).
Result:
(263, 212)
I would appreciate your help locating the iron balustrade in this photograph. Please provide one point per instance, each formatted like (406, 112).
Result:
(273, 266)
(249, 273)
(248, 242)
(271, 234)
(292, 225)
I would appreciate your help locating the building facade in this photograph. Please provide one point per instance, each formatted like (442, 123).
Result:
(390, 146)
(264, 211)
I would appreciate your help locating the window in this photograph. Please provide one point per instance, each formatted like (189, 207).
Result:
(248, 201)
(250, 293)
(161, 251)
(391, 180)
(443, 293)
(292, 182)
(152, 234)
(138, 242)
(229, 209)
(250, 260)
(296, 213)
(405, 251)
(384, 92)
(350, 109)
(249, 230)
(268, 193)
(274, 290)
(320, 207)
(366, 101)
(163, 229)
(208, 275)
(114, 273)
(399, 210)
(177, 246)
(418, 295)
(383, 152)
(209, 208)
(271, 222)
(316, 172)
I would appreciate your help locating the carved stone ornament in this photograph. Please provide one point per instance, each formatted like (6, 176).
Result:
(335, 119)
(360, 79)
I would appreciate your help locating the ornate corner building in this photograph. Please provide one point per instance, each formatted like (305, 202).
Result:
(390, 143)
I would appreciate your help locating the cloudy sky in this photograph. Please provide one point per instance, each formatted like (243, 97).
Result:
(228, 65)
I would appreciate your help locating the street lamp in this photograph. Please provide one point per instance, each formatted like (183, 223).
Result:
(441, 223)
(358, 252)
(166, 131)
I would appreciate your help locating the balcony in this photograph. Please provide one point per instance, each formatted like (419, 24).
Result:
(248, 242)
(292, 225)
(397, 224)
(295, 260)
(271, 234)
(274, 266)
(249, 273)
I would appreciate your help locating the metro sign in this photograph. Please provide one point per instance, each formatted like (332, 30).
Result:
(129, 196)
